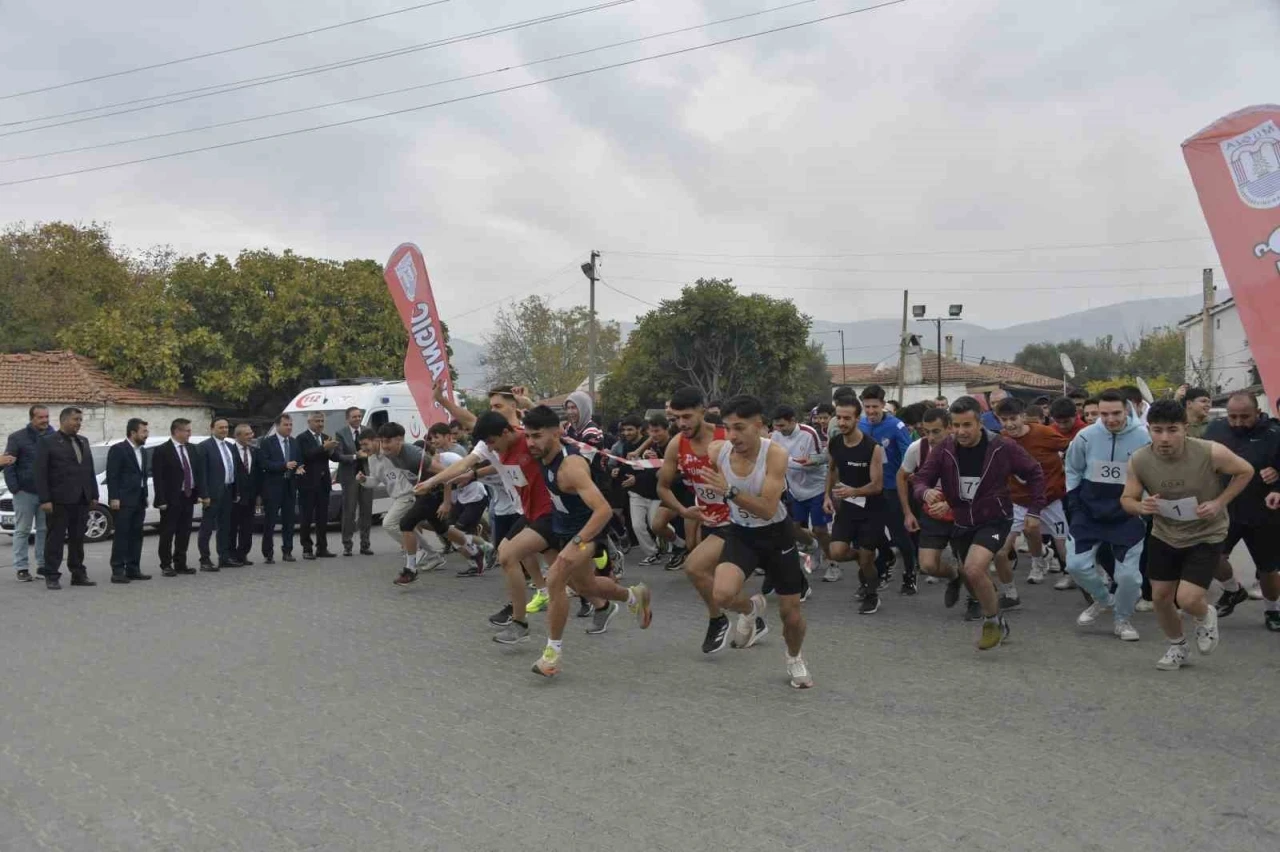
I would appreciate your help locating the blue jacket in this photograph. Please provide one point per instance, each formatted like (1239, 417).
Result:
(892, 434)
(21, 475)
(1095, 464)
(991, 423)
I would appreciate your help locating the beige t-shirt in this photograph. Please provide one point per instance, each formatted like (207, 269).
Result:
(1180, 484)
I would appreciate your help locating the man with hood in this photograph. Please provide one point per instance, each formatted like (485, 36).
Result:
(1096, 465)
(1255, 437)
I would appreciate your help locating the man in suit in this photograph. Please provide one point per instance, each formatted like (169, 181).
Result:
(314, 486)
(19, 475)
(218, 466)
(281, 459)
(355, 500)
(175, 472)
(127, 472)
(248, 493)
(67, 488)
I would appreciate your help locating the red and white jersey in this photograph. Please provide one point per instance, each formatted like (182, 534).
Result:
(712, 503)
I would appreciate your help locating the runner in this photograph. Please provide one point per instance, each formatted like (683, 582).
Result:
(396, 467)
(806, 471)
(891, 434)
(1066, 418)
(688, 458)
(969, 475)
(463, 503)
(1188, 506)
(1045, 444)
(935, 533)
(1255, 437)
(577, 529)
(751, 474)
(1092, 411)
(1198, 403)
(854, 493)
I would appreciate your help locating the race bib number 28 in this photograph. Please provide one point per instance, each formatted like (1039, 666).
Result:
(1108, 472)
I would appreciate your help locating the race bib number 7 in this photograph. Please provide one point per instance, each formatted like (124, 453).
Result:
(969, 486)
(1108, 472)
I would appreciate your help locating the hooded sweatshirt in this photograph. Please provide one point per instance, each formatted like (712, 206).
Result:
(585, 430)
(989, 499)
(1096, 465)
(894, 436)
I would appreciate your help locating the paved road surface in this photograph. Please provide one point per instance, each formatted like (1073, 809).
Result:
(317, 707)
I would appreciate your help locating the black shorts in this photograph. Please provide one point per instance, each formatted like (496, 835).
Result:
(560, 541)
(1195, 564)
(424, 510)
(934, 534)
(858, 528)
(466, 516)
(1262, 541)
(992, 536)
(504, 525)
(772, 548)
(721, 532)
(542, 526)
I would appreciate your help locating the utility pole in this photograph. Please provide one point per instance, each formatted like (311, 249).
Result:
(902, 351)
(1206, 331)
(589, 269)
(843, 378)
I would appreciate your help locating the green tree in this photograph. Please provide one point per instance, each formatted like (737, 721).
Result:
(722, 342)
(1099, 360)
(52, 272)
(1162, 354)
(546, 349)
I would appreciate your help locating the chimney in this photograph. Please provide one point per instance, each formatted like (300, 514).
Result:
(950, 353)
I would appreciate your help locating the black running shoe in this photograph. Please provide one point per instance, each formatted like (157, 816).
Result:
(585, 609)
(870, 604)
(1230, 600)
(677, 559)
(952, 593)
(973, 610)
(908, 586)
(1007, 602)
(651, 560)
(502, 617)
(717, 635)
(24, 576)
(861, 593)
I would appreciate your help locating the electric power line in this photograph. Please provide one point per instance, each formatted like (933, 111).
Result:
(628, 295)
(843, 270)
(267, 79)
(856, 289)
(432, 84)
(221, 52)
(459, 99)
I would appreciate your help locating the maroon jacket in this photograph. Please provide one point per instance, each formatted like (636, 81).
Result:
(991, 501)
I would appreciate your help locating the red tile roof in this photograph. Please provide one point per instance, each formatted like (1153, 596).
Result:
(62, 376)
(953, 372)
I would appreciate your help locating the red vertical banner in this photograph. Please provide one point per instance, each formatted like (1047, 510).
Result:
(427, 359)
(1235, 166)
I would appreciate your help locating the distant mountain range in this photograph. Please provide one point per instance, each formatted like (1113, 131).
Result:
(870, 341)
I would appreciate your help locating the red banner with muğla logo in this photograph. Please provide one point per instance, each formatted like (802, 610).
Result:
(427, 359)
(1235, 166)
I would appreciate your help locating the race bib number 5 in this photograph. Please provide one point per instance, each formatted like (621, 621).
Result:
(1108, 472)
(969, 487)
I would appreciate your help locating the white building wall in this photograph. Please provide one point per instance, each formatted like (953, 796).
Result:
(925, 393)
(106, 423)
(1231, 356)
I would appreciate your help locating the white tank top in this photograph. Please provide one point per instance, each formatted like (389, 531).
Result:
(752, 483)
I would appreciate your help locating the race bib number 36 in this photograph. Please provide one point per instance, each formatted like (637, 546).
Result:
(1108, 472)
(969, 486)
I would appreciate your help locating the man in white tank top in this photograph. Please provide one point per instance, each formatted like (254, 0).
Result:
(751, 472)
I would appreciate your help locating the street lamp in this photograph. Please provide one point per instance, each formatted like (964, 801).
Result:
(953, 313)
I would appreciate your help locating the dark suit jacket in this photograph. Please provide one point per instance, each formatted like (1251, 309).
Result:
(126, 481)
(275, 476)
(345, 456)
(248, 482)
(59, 477)
(214, 474)
(316, 460)
(166, 473)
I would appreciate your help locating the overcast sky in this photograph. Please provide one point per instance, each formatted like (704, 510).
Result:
(893, 135)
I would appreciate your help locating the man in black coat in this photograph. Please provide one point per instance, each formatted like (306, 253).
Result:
(175, 472)
(281, 459)
(314, 486)
(248, 493)
(127, 470)
(67, 489)
(218, 466)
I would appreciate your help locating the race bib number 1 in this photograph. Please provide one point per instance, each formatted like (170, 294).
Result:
(1178, 510)
(969, 487)
(857, 501)
(1108, 472)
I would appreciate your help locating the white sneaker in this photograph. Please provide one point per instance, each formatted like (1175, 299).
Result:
(832, 574)
(799, 673)
(745, 627)
(1065, 584)
(1036, 575)
(1125, 631)
(1021, 544)
(1144, 605)
(429, 561)
(1090, 615)
(1173, 659)
(1207, 632)
(930, 580)
(1255, 591)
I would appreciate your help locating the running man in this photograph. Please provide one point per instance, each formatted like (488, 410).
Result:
(892, 435)
(579, 523)
(436, 509)
(1188, 506)
(935, 533)
(751, 473)
(968, 474)
(854, 493)
(1096, 465)
(806, 473)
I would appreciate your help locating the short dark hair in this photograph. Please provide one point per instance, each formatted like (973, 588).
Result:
(784, 412)
(1011, 406)
(912, 413)
(825, 408)
(502, 390)
(848, 400)
(283, 417)
(1197, 393)
(635, 421)
(940, 397)
(440, 429)
(1093, 400)
(686, 398)
(367, 434)
(842, 390)
(67, 412)
(933, 413)
(390, 430)
(715, 403)
(178, 424)
(455, 424)
(1110, 395)
(744, 406)
(966, 405)
(897, 404)
(1130, 393)
(31, 412)
(541, 417)
(873, 392)
(134, 424)
(1077, 394)
(350, 409)
(1035, 412)
(659, 420)
(1167, 411)
(214, 422)
(490, 425)
(1062, 408)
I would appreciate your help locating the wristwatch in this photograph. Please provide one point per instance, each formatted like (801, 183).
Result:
(733, 491)
(577, 539)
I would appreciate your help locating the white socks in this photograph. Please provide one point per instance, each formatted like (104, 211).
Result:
(1231, 585)
(410, 561)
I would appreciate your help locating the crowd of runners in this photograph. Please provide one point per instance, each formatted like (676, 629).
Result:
(1135, 504)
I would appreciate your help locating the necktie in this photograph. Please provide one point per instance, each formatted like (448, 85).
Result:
(188, 484)
(244, 451)
(227, 461)
(75, 445)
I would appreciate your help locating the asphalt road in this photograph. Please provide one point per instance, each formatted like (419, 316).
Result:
(315, 706)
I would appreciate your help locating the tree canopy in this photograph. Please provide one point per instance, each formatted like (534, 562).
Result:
(1159, 354)
(546, 349)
